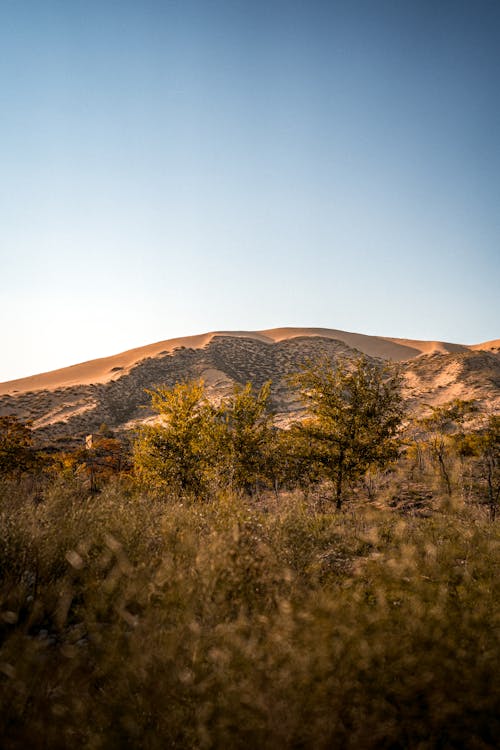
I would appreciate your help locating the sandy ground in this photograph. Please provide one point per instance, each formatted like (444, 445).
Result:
(109, 368)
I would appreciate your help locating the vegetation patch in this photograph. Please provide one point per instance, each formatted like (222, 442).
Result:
(204, 588)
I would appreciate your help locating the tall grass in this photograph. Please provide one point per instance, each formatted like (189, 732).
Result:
(130, 622)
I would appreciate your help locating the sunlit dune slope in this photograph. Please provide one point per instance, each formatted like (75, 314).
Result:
(110, 368)
(493, 345)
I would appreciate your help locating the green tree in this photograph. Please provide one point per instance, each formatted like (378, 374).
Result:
(196, 446)
(245, 435)
(293, 459)
(355, 412)
(175, 450)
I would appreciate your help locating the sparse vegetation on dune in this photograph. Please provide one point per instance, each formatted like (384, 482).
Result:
(240, 609)
(68, 404)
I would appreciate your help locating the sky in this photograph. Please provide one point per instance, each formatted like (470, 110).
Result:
(171, 168)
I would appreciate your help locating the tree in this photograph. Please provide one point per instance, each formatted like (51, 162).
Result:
(355, 412)
(293, 459)
(16, 451)
(174, 451)
(440, 425)
(104, 458)
(245, 435)
(489, 460)
(483, 449)
(196, 445)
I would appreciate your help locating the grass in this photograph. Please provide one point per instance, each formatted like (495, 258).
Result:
(130, 621)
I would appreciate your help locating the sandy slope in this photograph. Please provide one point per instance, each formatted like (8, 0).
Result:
(493, 345)
(110, 368)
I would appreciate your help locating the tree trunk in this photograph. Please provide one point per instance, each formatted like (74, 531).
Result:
(444, 473)
(338, 483)
(491, 496)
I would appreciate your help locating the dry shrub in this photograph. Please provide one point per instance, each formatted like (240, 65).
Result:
(128, 621)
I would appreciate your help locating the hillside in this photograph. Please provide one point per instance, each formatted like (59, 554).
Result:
(74, 401)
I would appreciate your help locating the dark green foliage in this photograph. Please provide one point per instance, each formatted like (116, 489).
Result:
(175, 451)
(355, 407)
(293, 460)
(198, 447)
(244, 436)
(356, 411)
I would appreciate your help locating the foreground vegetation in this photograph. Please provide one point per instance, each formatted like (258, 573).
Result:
(227, 585)
(127, 621)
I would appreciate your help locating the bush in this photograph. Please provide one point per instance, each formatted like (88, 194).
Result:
(129, 622)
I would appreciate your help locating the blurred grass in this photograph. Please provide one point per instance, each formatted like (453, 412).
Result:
(131, 622)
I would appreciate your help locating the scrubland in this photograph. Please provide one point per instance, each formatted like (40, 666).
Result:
(146, 620)
(229, 585)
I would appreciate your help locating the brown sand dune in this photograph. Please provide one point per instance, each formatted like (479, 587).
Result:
(494, 344)
(106, 369)
(429, 347)
(70, 403)
(375, 346)
(100, 370)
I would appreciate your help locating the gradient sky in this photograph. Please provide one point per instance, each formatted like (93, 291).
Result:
(169, 168)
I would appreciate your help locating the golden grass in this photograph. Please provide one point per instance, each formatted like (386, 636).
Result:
(128, 621)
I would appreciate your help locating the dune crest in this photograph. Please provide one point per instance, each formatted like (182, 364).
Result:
(492, 345)
(106, 369)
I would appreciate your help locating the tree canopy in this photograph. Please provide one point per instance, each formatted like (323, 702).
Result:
(245, 434)
(355, 412)
(173, 450)
(16, 451)
(197, 445)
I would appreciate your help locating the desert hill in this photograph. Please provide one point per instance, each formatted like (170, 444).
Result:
(109, 368)
(76, 400)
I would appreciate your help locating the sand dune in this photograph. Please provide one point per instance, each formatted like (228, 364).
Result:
(487, 345)
(101, 370)
(111, 368)
(375, 346)
(429, 347)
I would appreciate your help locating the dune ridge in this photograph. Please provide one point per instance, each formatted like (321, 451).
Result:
(106, 369)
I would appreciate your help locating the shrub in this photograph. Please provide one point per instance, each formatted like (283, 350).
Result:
(128, 622)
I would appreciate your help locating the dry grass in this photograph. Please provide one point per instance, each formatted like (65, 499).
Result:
(129, 621)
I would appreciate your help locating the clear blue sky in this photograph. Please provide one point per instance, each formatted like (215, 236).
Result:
(169, 168)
